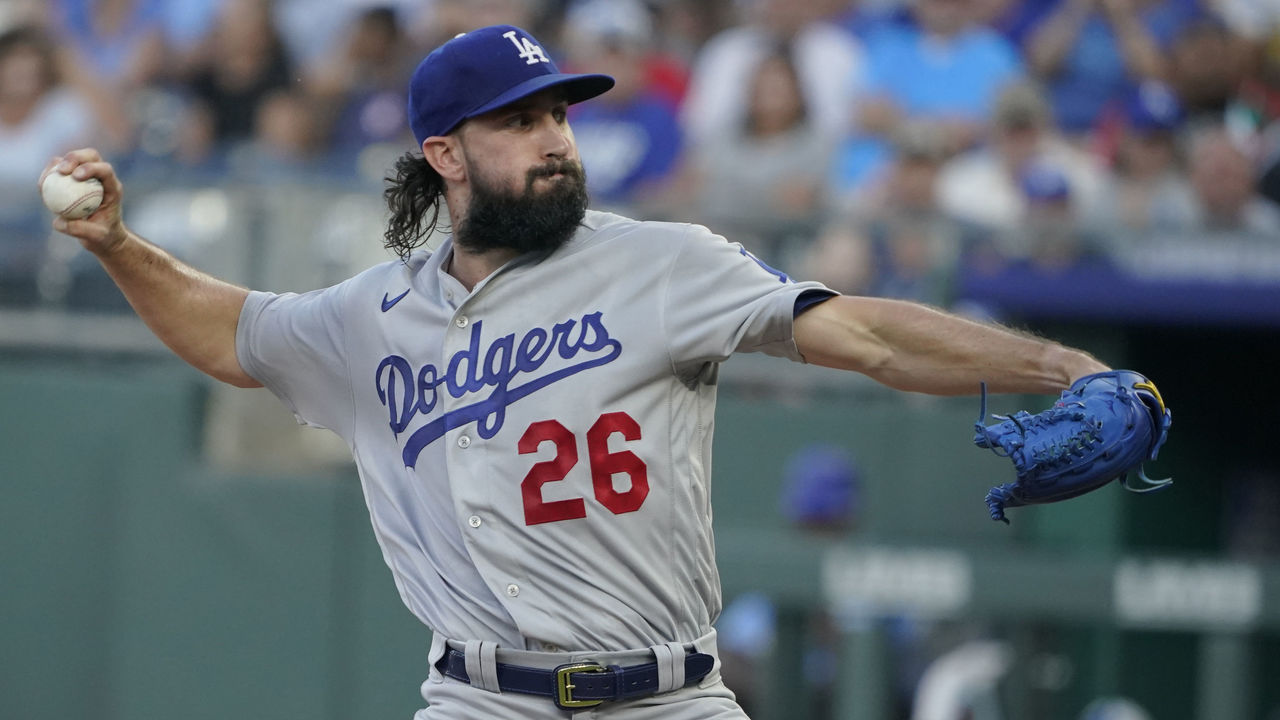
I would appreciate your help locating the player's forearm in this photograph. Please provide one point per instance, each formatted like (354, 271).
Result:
(916, 348)
(193, 313)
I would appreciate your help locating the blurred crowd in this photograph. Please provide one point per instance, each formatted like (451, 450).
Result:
(876, 145)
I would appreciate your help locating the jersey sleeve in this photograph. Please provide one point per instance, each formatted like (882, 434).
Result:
(720, 299)
(295, 346)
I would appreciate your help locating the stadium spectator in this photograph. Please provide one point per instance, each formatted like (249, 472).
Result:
(943, 67)
(286, 138)
(1051, 236)
(1208, 64)
(1256, 22)
(312, 30)
(119, 42)
(1090, 53)
(1223, 179)
(1259, 102)
(982, 186)
(1148, 190)
(908, 182)
(247, 63)
(822, 498)
(446, 18)
(629, 139)
(684, 26)
(826, 59)
(360, 86)
(186, 30)
(895, 240)
(761, 182)
(40, 115)
(20, 13)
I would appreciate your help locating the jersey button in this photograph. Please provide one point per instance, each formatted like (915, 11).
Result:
(461, 321)
(513, 590)
(464, 442)
(474, 521)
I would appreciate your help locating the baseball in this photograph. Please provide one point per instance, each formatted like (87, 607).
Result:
(71, 198)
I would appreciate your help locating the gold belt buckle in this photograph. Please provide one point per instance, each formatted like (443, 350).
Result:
(564, 688)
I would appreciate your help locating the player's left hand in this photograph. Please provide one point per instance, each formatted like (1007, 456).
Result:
(1102, 428)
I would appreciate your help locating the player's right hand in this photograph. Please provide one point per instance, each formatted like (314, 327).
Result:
(104, 230)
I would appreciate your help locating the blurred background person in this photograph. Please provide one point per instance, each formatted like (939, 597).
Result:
(443, 19)
(312, 32)
(895, 240)
(246, 64)
(761, 181)
(630, 141)
(943, 67)
(121, 42)
(360, 85)
(1052, 235)
(908, 182)
(983, 186)
(1208, 64)
(1148, 189)
(684, 26)
(40, 115)
(1223, 179)
(186, 27)
(821, 498)
(286, 141)
(111, 50)
(1091, 53)
(826, 60)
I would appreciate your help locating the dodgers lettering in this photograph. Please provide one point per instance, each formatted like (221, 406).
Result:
(408, 394)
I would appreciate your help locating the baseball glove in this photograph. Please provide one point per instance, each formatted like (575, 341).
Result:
(1102, 428)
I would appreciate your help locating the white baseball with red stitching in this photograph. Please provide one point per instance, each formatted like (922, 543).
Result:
(71, 198)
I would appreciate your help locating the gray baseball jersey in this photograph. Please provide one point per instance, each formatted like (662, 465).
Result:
(535, 453)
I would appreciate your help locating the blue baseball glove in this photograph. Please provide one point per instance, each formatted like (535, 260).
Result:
(1102, 428)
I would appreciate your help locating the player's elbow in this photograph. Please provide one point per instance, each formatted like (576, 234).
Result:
(836, 334)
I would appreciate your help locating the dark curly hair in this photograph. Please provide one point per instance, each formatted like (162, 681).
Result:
(414, 195)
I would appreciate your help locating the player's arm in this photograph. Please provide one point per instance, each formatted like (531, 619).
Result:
(193, 313)
(913, 347)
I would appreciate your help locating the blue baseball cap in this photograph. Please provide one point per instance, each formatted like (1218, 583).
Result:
(1042, 182)
(1154, 107)
(821, 484)
(483, 70)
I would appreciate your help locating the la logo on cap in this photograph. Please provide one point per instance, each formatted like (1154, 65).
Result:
(528, 49)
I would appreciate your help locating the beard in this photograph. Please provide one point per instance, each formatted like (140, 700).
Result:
(528, 221)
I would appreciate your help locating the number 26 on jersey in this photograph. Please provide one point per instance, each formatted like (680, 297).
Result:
(604, 465)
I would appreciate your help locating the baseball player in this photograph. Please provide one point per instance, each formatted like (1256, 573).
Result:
(530, 406)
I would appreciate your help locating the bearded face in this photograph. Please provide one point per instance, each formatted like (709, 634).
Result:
(540, 217)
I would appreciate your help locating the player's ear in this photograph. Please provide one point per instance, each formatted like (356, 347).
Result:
(444, 152)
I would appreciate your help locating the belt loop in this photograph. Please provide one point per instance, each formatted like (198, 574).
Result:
(482, 664)
(670, 657)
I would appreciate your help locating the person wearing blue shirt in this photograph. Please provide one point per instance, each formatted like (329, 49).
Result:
(1092, 54)
(945, 68)
(630, 139)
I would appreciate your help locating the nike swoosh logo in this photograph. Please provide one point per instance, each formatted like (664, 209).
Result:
(387, 304)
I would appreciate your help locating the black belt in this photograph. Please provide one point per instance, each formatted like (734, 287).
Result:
(579, 685)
